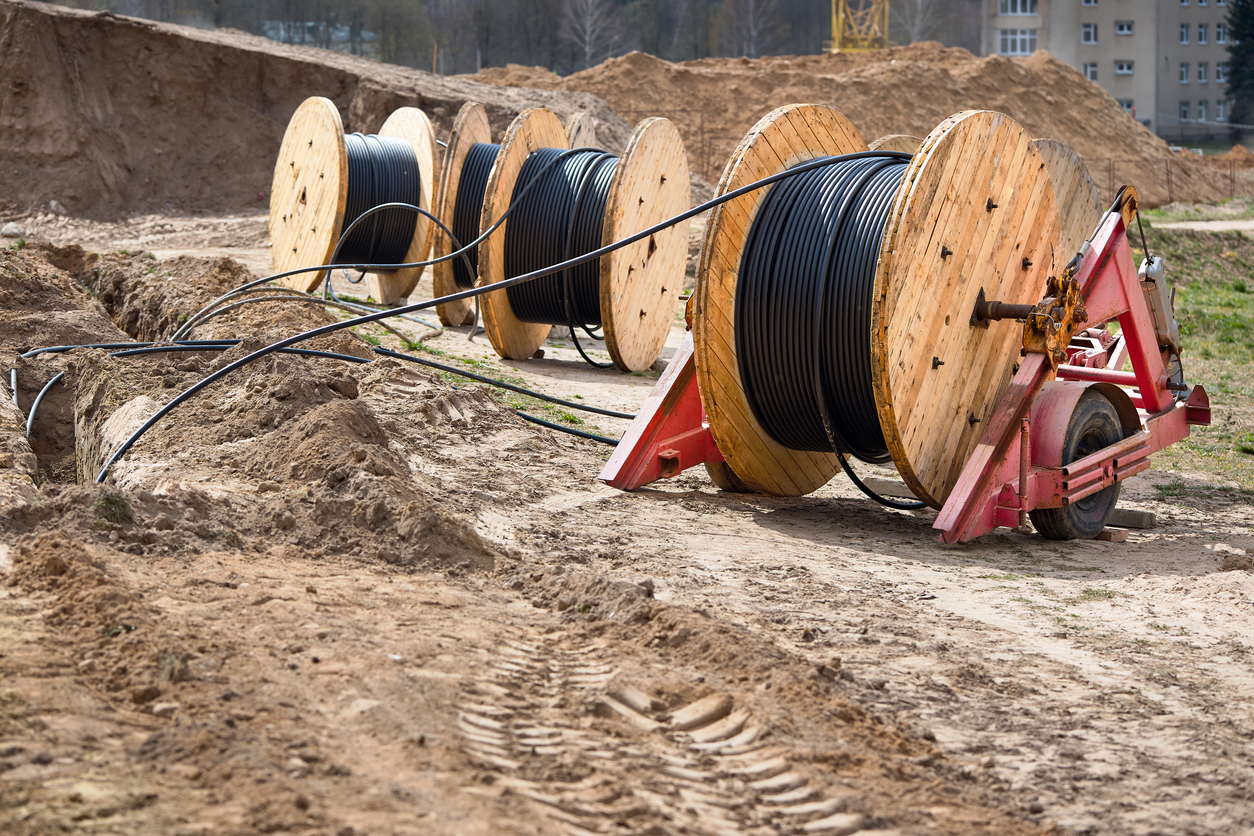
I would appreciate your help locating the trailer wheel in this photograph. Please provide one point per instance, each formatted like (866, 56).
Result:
(1094, 425)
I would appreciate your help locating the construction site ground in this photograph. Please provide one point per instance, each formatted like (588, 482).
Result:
(346, 599)
(356, 600)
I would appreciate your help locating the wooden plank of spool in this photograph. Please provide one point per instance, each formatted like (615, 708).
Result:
(781, 139)
(1079, 203)
(976, 210)
(532, 129)
(470, 127)
(411, 125)
(904, 143)
(581, 131)
(640, 283)
(309, 192)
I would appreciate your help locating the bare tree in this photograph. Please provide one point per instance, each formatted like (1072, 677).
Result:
(920, 19)
(752, 27)
(593, 28)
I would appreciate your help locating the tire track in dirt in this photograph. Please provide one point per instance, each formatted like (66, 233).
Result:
(707, 768)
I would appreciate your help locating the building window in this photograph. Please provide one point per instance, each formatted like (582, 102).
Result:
(1203, 33)
(1017, 41)
(1203, 111)
(1088, 2)
(1203, 70)
(1221, 111)
(1221, 2)
(1184, 72)
(1017, 7)
(1184, 2)
(1184, 33)
(1123, 68)
(1088, 33)
(1184, 111)
(1203, 2)
(1221, 73)
(1127, 105)
(1123, 27)
(1221, 33)
(1089, 69)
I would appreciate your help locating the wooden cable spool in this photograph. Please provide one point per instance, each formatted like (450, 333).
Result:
(904, 143)
(469, 128)
(975, 210)
(581, 131)
(639, 283)
(1079, 202)
(309, 193)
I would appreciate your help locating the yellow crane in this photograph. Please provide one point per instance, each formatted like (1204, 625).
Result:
(859, 25)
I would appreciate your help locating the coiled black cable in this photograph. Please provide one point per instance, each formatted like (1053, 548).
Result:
(468, 206)
(504, 284)
(803, 307)
(563, 221)
(381, 170)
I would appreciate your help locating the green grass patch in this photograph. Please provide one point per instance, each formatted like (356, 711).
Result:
(1213, 273)
(112, 508)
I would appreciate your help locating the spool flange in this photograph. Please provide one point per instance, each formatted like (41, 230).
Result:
(904, 143)
(469, 128)
(309, 194)
(411, 125)
(975, 211)
(781, 139)
(531, 130)
(1079, 203)
(639, 283)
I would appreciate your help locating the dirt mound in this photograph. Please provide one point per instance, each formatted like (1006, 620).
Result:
(117, 116)
(904, 90)
(1240, 155)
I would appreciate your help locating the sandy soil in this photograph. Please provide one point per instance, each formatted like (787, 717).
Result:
(903, 90)
(351, 599)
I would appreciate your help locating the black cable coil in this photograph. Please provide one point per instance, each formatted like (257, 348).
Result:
(562, 217)
(803, 306)
(468, 206)
(381, 170)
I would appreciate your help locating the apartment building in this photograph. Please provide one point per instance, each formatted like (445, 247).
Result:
(1165, 61)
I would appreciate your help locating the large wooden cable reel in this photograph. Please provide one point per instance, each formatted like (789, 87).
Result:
(639, 283)
(471, 127)
(975, 210)
(1079, 203)
(309, 194)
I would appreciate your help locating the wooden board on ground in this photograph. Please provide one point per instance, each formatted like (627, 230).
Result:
(412, 126)
(532, 129)
(309, 192)
(904, 143)
(470, 127)
(581, 130)
(783, 138)
(1079, 203)
(976, 210)
(640, 283)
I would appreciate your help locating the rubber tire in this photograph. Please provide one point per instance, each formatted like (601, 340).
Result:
(1094, 425)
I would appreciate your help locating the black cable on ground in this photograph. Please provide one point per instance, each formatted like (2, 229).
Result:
(803, 310)
(150, 348)
(191, 391)
(502, 384)
(568, 430)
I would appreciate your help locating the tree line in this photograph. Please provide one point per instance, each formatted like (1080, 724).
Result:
(463, 36)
